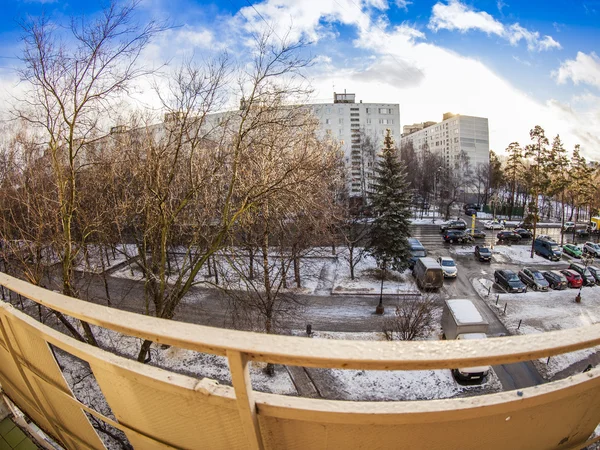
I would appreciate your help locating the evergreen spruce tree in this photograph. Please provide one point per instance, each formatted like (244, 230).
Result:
(390, 198)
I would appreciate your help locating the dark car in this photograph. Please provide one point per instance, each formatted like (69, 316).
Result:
(588, 278)
(471, 212)
(526, 225)
(555, 279)
(574, 280)
(581, 233)
(509, 281)
(477, 233)
(483, 253)
(595, 271)
(534, 278)
(453, 225)
(509, 236)
(454, 236)
(525, 234)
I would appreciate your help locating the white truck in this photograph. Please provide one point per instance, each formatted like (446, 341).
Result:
(462, 320)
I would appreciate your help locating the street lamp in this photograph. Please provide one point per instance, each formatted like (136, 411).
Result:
(435, 175)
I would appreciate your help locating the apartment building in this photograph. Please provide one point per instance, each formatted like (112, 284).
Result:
(455, 134)
(360, 129)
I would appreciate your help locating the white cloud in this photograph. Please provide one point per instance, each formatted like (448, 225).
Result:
(295, 20)
(583, 69)
(458, 16)
(403, 4)
(516, 32)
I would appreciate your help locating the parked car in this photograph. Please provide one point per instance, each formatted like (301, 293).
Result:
(525, 234)
(471, 212)
(454, 236)
(453, 225)
(416, 251)
(547, 248)
(573, 250)
(483, 253)
(591, 248)
(582, 232)
(493, 225)
(534, 278)
(473, 206)
(545, 237)
(448, 266)
(568, 226)
(595, 271)
(508, 236)
(477, 233)
(526, 225)
(509, 281)
(588, 278)
(555, 279)
(574, 280)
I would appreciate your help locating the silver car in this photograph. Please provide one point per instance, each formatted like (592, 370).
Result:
(448, 266)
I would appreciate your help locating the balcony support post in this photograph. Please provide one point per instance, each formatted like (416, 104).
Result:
(240, 377)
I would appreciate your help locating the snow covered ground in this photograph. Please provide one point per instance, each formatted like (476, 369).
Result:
(539, 312)
(95, 260)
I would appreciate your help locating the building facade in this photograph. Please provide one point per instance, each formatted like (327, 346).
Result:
(454, 135)
(360, 129)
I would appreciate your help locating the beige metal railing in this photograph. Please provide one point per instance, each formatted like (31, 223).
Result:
(156, 408)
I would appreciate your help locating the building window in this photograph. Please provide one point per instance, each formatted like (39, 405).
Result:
(353, 109)
(368, 121)
(340, 110)
(341, 121)
(354, 120)
(385, 111)
(369, 110)
(328, 110)
(341, 131)
(386, 121)
(328, 131)
(327, 121)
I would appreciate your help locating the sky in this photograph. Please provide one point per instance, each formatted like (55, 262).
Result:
(519, 64)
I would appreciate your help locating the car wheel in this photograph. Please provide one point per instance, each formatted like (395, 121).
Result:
(535, 288)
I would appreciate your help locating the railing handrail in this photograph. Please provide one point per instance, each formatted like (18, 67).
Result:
(324, 353)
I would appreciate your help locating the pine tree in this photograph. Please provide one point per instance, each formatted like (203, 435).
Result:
(388, 238)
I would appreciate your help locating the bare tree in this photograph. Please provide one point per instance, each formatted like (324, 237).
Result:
(73, 84)
(413, 318)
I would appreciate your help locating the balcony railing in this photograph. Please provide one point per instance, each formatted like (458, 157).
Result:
(156, 408)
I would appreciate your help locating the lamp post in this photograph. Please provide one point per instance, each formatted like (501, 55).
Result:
(435, 175)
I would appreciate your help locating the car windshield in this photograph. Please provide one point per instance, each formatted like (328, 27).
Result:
(448, 262)
(596, 246)
(587, 273)
(418, 253)
(484, 250)
(538, 275)
(553, 245)
(512, 277)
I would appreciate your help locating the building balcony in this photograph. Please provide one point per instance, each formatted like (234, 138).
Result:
(156, 408)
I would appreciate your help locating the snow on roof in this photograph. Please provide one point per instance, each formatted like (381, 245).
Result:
(464, 311)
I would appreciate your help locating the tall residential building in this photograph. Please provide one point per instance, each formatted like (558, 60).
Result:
(452, 136)
(360, 129)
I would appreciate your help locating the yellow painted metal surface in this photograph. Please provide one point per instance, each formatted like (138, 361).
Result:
(158, 409)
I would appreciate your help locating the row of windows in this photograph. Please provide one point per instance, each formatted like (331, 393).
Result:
(368, 110)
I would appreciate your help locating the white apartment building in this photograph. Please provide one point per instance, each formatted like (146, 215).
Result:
(455, 134)
(360, 129)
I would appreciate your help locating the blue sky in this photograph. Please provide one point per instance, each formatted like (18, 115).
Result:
(517, 63)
